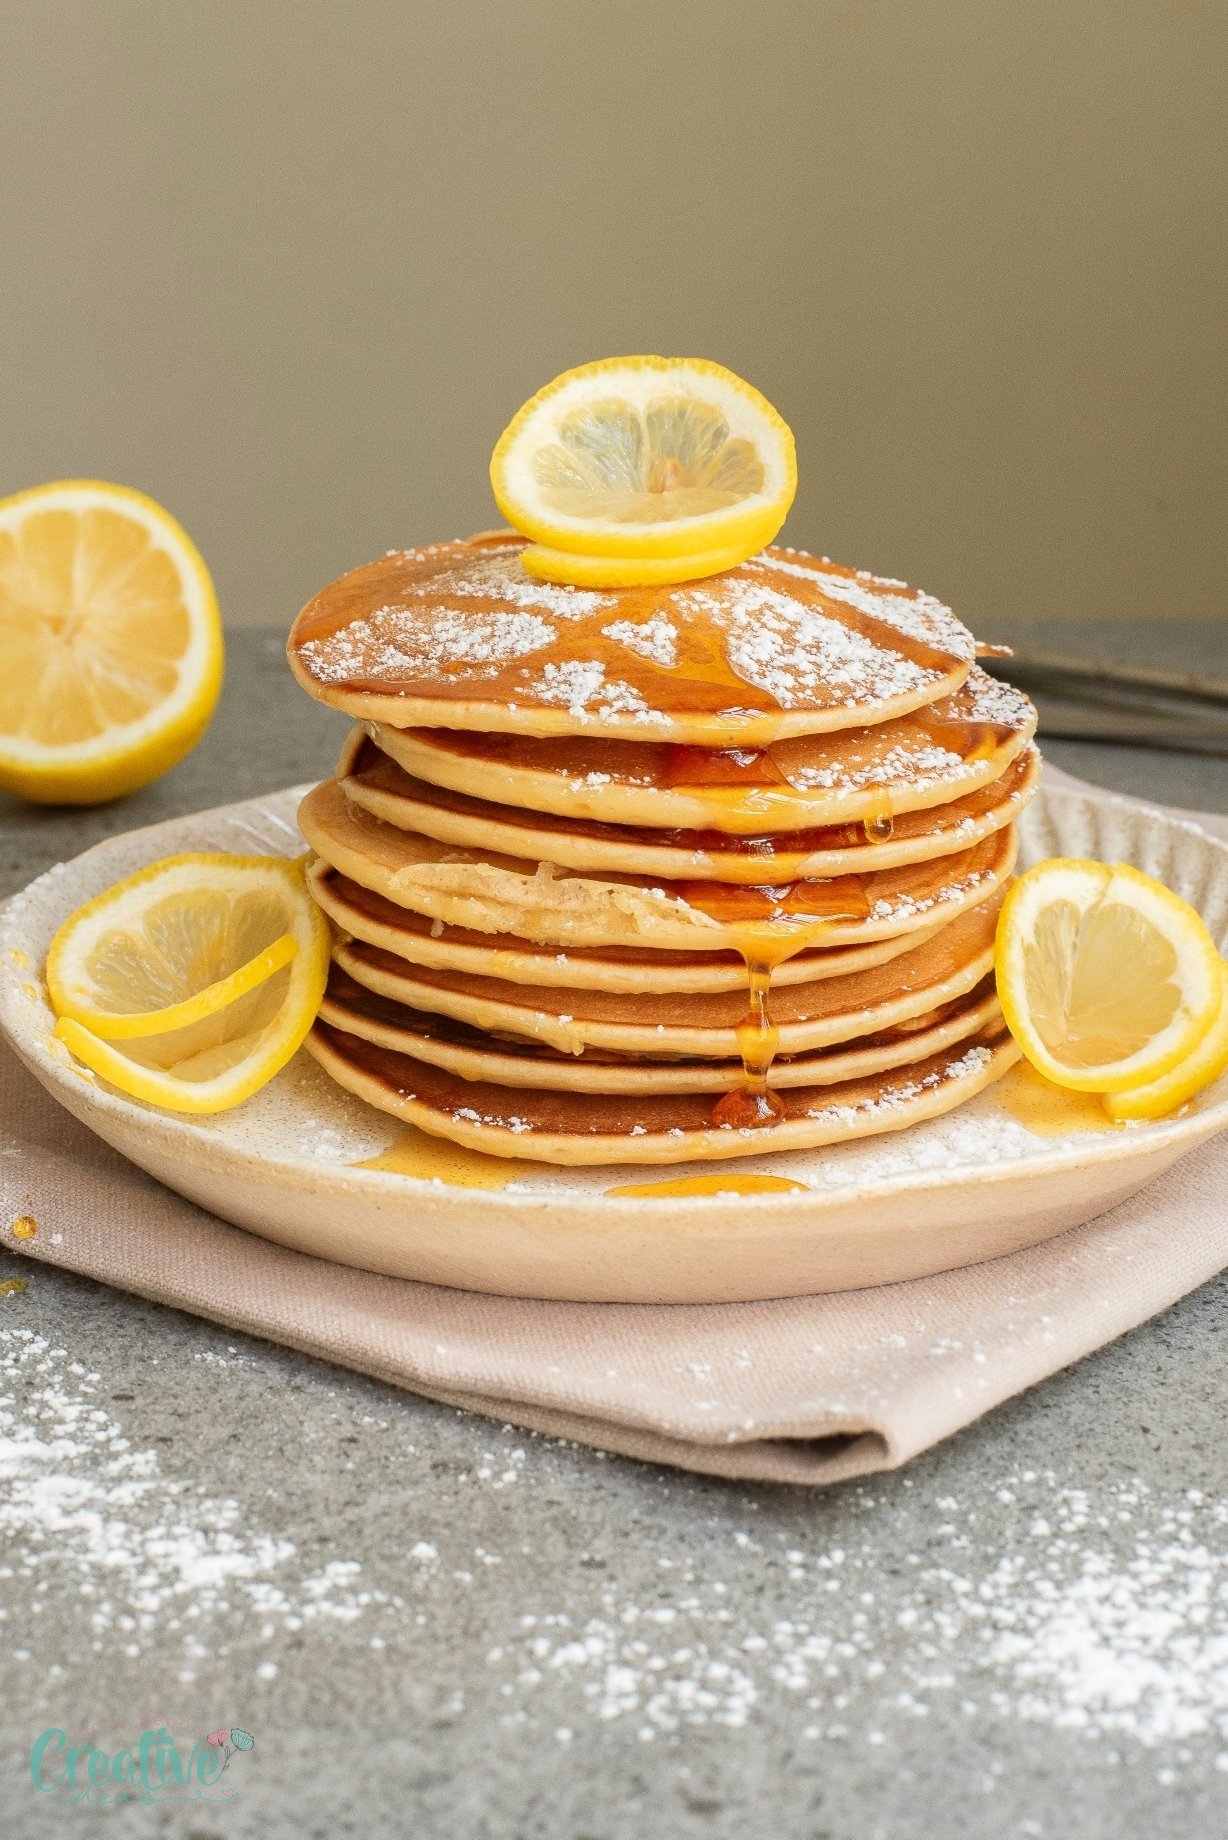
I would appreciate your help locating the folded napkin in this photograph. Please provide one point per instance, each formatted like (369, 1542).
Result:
(806, 1390)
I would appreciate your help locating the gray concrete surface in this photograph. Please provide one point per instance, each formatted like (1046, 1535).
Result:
(435, 1626)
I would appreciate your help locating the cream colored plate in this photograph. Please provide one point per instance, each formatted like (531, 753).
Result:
(975, 1184)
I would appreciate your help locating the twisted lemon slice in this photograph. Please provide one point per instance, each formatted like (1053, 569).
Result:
(209, 969)
(1173, 1089)
(673, 461)
(1107, 979)
(110, 642)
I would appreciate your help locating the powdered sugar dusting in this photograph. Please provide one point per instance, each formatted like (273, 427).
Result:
(146, 1555)
(900, 1093)
(581, 686)
(909, 610)
(780, 645)
(386, 645)
(461, 615)
(1106, 1621)
(655, 640)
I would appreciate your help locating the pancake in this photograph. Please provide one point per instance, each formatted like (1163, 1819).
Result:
(804, 1016)
(583, 1127)
(374, 781)
(497, 894)
(474, 1055)
(359, 913)
(867, 774)
(458, 635)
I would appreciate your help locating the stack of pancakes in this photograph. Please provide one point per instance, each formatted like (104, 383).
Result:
(647, 875)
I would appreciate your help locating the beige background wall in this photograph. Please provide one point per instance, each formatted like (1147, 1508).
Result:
(290, 267)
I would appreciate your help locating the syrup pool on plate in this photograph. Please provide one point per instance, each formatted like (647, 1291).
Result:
(1048, 1110)
(434, 1159)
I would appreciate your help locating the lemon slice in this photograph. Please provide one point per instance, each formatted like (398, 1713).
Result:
(1106, 978)
(565, 566)
(1207, 1061)
(647, 457)
(110, 642)
(210, 970)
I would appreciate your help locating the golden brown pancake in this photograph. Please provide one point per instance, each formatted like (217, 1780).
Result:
(804, 1016)
(932, 757)
(475, 1055)
(496, 894)
(458, 635)
(371, 779)
(585, 1127)
(360, 913)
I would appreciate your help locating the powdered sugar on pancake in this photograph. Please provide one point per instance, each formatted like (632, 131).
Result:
(655, 639)
(909, 610)
(420, 634)
(897, 1096)
(388, 645)
(796, 655)
(581, 688)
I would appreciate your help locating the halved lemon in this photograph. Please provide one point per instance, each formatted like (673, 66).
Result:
(210, 970)
(1107, 979)
(646, 457)
(565, 566)
(1207, 1061)
(110, 642)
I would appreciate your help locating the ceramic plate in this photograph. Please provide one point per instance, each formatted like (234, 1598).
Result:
(1012, 1167)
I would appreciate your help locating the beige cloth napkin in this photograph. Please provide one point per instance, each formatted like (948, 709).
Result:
(809, 1390)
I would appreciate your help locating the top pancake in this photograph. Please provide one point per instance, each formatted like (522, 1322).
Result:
(459, 636)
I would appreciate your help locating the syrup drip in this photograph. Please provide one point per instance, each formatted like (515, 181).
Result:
(879, 822)
(775, 923)
(732, 1184)
(25, 1227)
(753, 1103)
(12, 1287)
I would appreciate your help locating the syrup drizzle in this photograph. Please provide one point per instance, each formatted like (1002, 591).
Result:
(376, 630)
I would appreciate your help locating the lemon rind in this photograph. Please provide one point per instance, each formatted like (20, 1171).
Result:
(568, 567)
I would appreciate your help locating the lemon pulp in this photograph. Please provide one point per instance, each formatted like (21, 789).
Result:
(110, 642)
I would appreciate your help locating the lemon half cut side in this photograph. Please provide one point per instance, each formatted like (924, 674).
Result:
(645, 457)
(1107, 979)
(110, 642)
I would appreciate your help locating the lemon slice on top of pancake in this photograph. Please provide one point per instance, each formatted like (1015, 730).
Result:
(644, 469)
